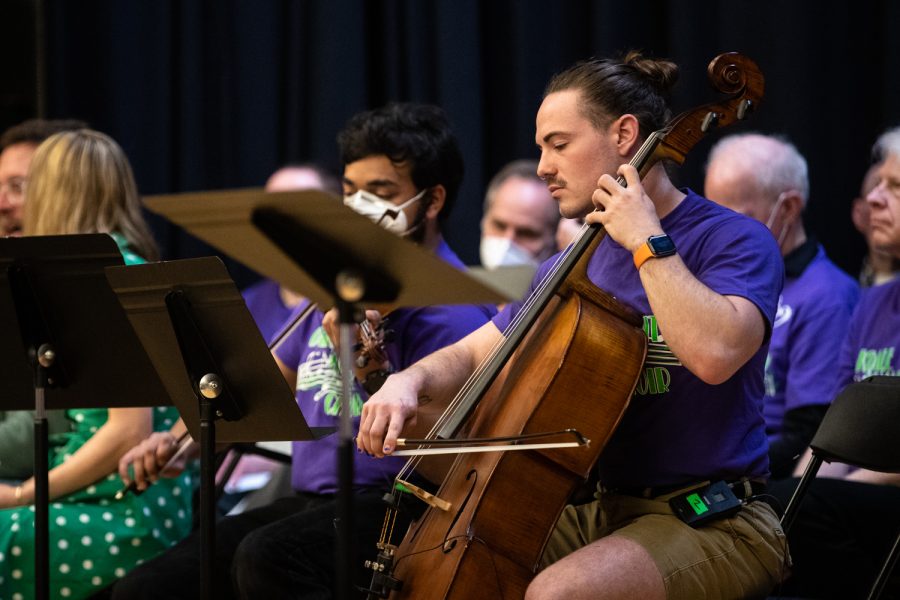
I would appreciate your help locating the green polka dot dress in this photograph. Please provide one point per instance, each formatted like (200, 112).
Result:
(94, 539)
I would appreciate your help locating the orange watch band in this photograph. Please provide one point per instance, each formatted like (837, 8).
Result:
(641, 255)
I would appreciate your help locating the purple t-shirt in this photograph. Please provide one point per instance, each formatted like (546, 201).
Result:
(677, 428)
(873, 337)
(813, 311)
(417, 333)
(264, 303)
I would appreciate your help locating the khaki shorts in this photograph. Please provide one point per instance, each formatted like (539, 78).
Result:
(744, 556)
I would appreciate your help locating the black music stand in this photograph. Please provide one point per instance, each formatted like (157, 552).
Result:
(309, 242)
(66, 344)
(214, 364)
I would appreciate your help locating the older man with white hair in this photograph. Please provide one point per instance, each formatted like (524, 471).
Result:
(849, 517)
(765, 177)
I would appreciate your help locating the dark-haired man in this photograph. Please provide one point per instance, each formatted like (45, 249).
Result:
(706, 281)
(402, 168)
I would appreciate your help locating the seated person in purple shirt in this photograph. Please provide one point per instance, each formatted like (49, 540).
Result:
(695, 415)
(269, 303)
(765, 177)
(401, 156)
(849, 517)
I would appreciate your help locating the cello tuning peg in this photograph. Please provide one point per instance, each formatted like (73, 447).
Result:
(743, 108)
(709, 121)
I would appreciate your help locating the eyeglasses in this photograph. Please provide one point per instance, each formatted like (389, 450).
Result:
(15, 187)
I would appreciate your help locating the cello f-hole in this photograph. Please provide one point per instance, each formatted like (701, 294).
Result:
(450, 544)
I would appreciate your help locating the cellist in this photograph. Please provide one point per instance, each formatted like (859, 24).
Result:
(706, 281)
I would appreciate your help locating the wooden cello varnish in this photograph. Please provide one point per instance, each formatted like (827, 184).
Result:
(576, 367)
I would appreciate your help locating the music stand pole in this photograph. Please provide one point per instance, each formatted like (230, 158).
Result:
(215, 400)
(344, 548)
(41, 496)
(42, 358)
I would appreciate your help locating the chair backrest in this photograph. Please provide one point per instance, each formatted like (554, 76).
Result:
(862, 426)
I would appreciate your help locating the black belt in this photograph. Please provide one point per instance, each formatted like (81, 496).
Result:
(742, 488)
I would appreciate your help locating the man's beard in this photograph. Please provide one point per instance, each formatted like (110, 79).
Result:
(417, 230)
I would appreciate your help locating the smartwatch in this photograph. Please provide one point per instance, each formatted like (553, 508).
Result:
(656, 246)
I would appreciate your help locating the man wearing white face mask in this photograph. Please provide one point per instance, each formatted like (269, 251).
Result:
(520, 218)
(765, 177)
(402, 168)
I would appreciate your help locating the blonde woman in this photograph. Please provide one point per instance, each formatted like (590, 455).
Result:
(81, 182)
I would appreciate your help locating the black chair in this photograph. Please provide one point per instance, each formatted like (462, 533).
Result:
(859, 429)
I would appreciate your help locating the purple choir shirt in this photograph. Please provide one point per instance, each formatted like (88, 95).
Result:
(417, 333)
(677, 428)
(813, 313)
(269, 312)
(873, 336)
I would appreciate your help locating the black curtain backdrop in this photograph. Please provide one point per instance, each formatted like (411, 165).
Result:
(218, 94)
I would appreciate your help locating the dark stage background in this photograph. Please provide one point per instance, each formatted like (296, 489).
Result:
(217, 94)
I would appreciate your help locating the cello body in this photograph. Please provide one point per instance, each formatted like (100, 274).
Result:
(578, 363)
(505, 504)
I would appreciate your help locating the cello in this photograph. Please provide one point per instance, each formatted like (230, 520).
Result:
(484, 531)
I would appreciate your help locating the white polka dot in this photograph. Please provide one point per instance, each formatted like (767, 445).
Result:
(93, 429)
(2, 557)
(111, 477)
(168, 523)
(66, 457)
(57, 505)
(161, 501)
(109, 536)
(156, 533)
(96, 580)
(86, 541)
(64, 568)
(104, 502)
(14, 516)
(161, 409)
(65, 592)
(63, 544)
(129, 522)
(79, 417)
(31, 508)
(16, 551)
(61, 521)
(14, 527)
(84, 518)
(181, 514)
(146, 511)
(91, 489)
(17, 574)
(88, 565)
(120, 572)
(107, 516)
(139, 561)
(176, 491)
(18, 596)
(113, 550)
(135, 542)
